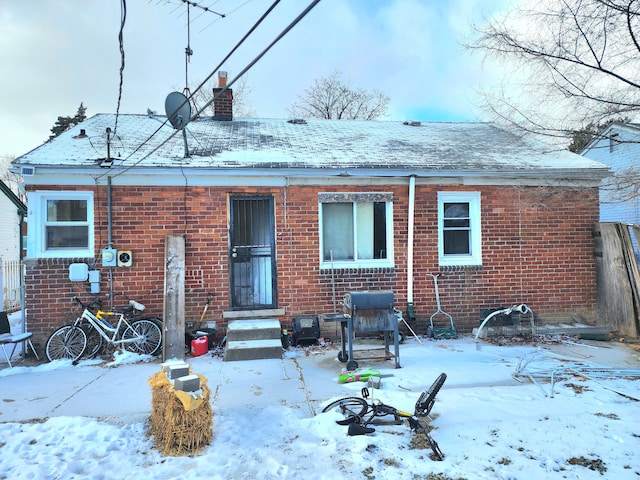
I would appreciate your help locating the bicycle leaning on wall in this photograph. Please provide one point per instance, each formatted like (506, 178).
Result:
(91, 332)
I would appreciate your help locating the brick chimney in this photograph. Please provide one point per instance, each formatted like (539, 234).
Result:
(223, 103)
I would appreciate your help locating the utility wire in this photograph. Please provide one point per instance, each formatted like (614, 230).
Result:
(123, 19)
(233, 50)
(278, 38)
(224, 89)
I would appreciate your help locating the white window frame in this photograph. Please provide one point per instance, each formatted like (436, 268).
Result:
(355, 198)
(37, 221)
(475, 241)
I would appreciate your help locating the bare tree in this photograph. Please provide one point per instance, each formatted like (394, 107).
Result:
(12, 180)
(331, 98)
(575, 63)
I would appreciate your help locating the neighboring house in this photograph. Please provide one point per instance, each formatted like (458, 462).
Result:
(281, 218)
(618, 146)
(12, 214)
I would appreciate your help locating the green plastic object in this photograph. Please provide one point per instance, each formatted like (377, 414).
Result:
(358, 375)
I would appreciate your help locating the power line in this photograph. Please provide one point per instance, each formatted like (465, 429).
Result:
(123, 18)
(224, 89)
(242, 40)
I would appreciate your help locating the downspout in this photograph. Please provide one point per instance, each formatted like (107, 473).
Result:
(22, 214)
(109, 241)
(410, 234)
(23, 287)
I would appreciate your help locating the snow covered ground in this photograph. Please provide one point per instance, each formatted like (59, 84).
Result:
(487, 424)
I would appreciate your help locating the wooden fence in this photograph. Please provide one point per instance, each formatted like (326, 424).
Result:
(618, 277)
(11, 278)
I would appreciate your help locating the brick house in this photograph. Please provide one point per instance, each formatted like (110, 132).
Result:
(282, 217)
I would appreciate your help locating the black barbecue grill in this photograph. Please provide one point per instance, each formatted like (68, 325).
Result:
(367, 312)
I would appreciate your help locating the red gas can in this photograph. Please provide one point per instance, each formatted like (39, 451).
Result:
(199, 346)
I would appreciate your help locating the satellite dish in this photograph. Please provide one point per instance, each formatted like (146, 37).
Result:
(178, 109)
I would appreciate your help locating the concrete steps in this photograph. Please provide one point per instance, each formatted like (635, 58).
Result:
(253, 339)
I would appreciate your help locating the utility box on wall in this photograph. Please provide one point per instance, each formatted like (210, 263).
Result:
(78, 272)
(125, 258)
(94, 280)
(109, 257)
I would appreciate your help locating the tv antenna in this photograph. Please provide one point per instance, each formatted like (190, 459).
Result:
(178, 111)
(188, 52)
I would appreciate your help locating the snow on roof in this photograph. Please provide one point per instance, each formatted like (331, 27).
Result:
(144, 141)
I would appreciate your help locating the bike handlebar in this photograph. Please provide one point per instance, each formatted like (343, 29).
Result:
(129, 309)
(87, 306)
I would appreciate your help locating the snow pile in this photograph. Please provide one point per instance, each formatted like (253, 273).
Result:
(487, 424)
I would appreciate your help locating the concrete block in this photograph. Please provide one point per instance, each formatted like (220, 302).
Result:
(188, 383)
(175, 370)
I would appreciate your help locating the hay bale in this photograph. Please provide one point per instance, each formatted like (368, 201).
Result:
(181, 422)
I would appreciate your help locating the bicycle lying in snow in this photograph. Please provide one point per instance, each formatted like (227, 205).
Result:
(90, 331)
(359, 414)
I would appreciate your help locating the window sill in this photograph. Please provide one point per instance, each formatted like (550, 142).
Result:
(355, 265)
(460, 261)
(64, 254)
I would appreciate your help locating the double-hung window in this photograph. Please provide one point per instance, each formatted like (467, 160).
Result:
(60, 224)
(356, 230)
(459, 228)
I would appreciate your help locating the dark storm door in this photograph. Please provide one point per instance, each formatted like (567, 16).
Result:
(252, 254)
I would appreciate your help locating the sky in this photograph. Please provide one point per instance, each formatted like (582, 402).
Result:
(56, 54)
(59, 421)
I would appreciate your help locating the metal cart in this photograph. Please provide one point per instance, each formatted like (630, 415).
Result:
(367, 312)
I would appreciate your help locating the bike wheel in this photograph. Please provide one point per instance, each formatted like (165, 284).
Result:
(94, 342)
(428, 397)
(353, 409)
(66, 342)
(149, 337)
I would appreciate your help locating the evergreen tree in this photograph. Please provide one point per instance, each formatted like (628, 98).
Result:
(65, 123)
(581, 138)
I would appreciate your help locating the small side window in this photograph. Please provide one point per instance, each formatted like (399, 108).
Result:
(459, 231)
(60, 224)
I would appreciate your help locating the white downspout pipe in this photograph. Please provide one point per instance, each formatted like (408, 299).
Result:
(410, 233)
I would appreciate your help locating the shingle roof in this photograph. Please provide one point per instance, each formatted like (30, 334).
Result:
(427, 148)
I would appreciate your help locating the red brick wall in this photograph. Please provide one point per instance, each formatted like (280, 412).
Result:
(537, 249)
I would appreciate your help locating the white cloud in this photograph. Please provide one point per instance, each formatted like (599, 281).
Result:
(63, 53)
